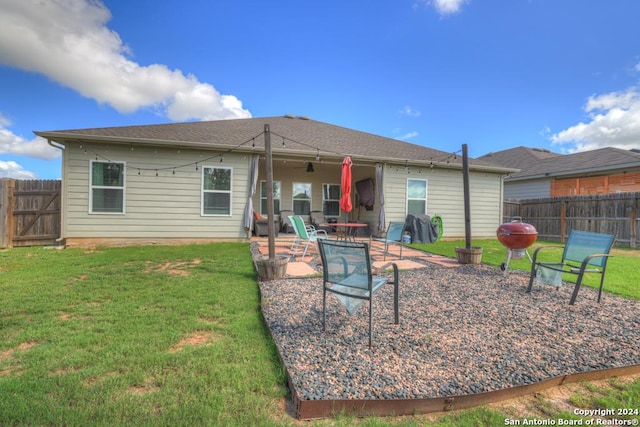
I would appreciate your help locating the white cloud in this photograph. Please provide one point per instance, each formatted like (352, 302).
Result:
(408, 136)
(13, 170)
(410, 112)
(11, 143)
(444, 7)
(614, 121)
(69, 42)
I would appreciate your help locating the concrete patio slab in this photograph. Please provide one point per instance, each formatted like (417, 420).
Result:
(307, 266)
(300, 269)
(403, 264)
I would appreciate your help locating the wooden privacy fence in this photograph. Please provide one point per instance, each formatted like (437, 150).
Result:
(29, 212)
(555, 217)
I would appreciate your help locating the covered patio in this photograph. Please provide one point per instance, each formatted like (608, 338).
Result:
(308, 266)
(467, 336)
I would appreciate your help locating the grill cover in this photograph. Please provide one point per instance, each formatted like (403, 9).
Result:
(421, 229)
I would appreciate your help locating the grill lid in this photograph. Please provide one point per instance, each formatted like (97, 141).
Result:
(517, 234)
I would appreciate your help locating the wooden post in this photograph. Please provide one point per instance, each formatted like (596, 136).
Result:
(270, 212)
(633, 223)
(7, 201)
(467, 196)
(563, 220)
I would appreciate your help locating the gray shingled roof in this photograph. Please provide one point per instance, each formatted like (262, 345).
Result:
(302, 136)
(519, 157)
(536, 164)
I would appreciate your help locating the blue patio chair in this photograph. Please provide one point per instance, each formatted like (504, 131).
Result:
(346, 272)
(584, 252)
(304, 232)
(394, 235)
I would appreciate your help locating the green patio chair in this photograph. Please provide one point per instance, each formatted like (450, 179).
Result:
(304, 232)
(346, 272)
(584, 252)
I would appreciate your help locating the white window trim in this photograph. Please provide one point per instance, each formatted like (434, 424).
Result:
(203, 191)
(293, 198)
(124, 187)
(330, 200)
(426, 193)
(265, 196)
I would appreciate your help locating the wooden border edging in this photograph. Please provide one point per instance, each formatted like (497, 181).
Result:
(311, 409)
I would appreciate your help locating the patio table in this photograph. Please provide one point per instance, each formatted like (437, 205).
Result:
(346, 230)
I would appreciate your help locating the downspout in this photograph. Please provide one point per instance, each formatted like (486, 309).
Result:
(62, 148)
(55, 144)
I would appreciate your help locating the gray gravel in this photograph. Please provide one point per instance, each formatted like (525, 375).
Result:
(462, 330)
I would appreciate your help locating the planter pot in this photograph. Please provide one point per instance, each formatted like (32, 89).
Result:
(472, 255)
(271, 269)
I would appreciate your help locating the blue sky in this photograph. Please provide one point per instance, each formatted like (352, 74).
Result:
(494, 74)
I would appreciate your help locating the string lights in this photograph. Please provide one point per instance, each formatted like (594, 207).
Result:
(432, 163)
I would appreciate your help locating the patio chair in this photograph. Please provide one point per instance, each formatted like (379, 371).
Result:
(285, 223)
(304, 232)
(346, 272)
(584, 252)
(317, 218)
(261, 225)
(393, 235)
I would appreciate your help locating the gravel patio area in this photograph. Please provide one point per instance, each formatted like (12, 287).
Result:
(462, 330)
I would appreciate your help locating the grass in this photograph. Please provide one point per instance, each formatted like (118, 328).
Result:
(160, 336)
(623, 268)
(135, 336)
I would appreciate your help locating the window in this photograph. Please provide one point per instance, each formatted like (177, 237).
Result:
(301, 198)
(331, 199)
(416, 196)
(216, 191)
(107, 187)
(263, 197)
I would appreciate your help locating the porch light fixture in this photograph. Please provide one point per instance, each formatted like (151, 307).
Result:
(310, 167)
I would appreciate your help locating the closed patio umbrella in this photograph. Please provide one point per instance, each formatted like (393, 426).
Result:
(345, 187)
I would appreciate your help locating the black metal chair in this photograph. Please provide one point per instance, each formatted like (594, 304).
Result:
(584, 252)
(285, 222)
(347, 273)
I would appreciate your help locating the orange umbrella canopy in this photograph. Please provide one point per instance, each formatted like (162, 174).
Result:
(345, 185)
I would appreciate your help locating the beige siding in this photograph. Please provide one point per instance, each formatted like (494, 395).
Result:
(445, 197)
(168, 206)
(163, 207)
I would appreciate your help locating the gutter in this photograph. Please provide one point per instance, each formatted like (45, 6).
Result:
(577, 172)
(55, 144)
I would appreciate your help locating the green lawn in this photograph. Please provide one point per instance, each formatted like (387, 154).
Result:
(623, 268)
(157, 335)
(135, 336)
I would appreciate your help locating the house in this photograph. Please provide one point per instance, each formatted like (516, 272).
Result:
(545, 174)
(192, 182)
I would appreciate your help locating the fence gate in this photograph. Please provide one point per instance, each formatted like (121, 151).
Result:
(29, 212)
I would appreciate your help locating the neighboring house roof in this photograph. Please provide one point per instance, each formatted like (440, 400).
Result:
(536, 163)
(519, 157)
(302, 136)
